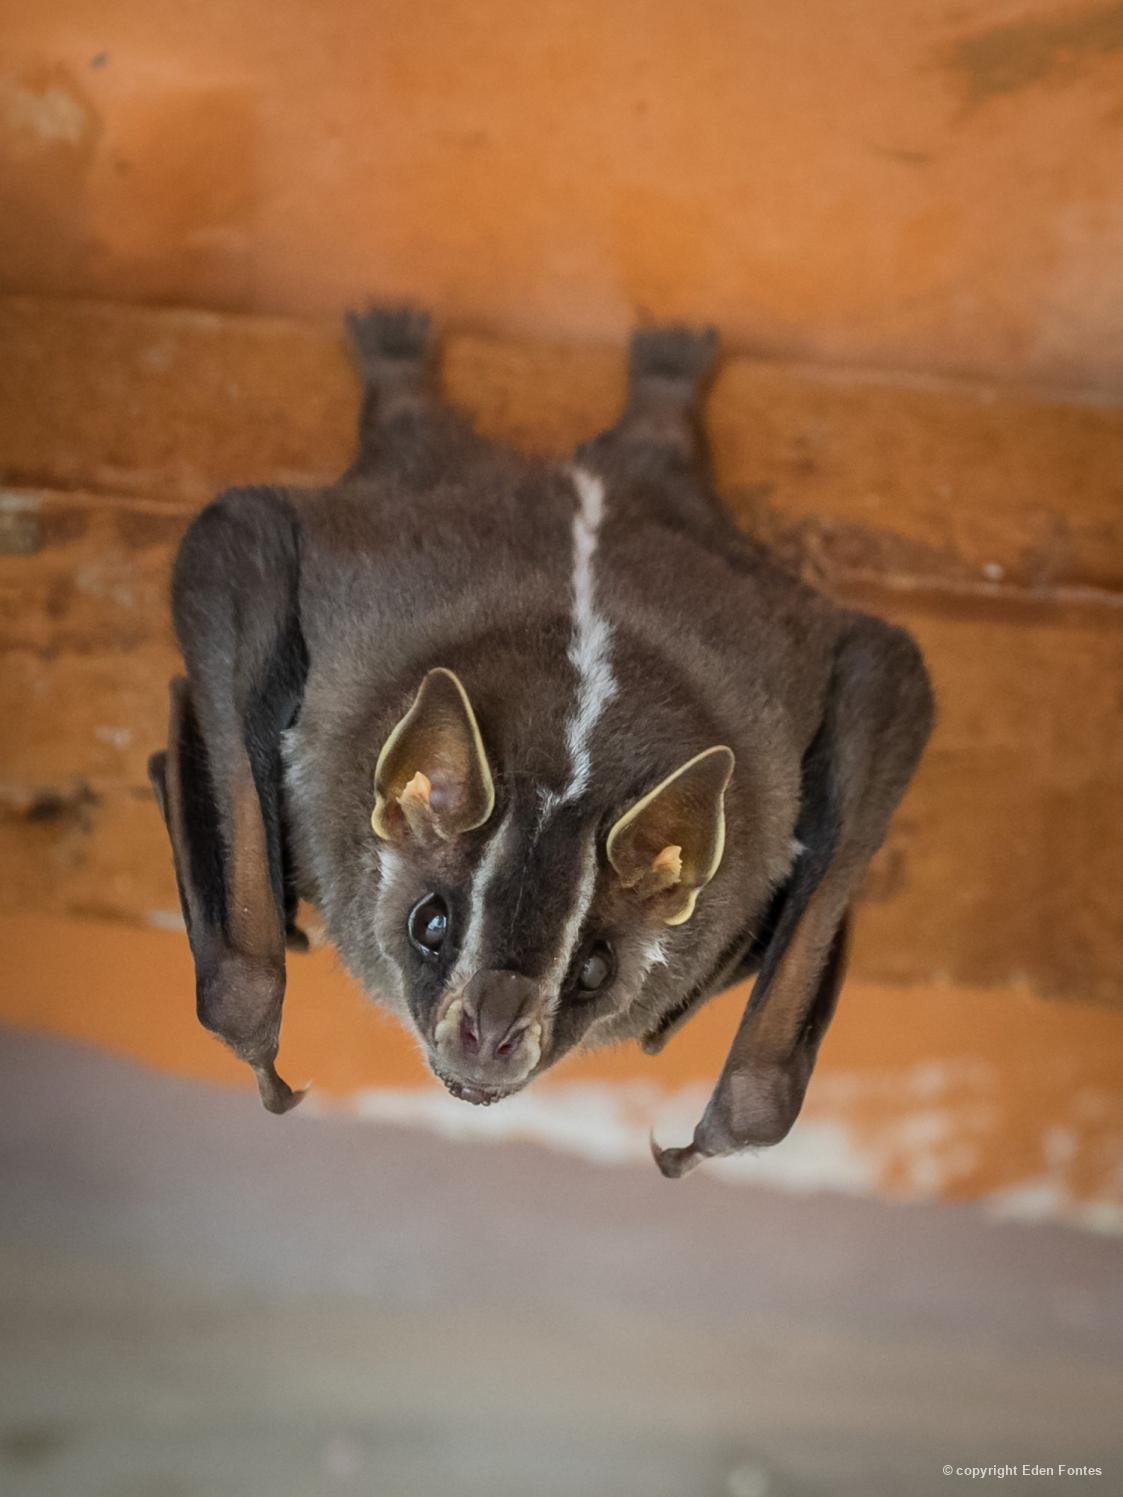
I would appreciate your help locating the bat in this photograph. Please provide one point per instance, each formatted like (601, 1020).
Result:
(555, 750)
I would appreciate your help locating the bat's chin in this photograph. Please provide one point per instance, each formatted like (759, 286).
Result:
(477, 1094)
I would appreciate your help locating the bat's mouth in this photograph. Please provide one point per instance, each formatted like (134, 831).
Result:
(479, 1096)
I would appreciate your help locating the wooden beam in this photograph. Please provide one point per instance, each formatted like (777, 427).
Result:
(918, 481)
(988, 522)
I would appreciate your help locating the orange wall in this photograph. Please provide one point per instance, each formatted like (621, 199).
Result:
(929, 1090)
(924, 184)
(918, 183)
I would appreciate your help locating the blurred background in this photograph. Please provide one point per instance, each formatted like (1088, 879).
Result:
(906, 218)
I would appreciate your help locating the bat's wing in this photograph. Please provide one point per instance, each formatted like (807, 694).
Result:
(877, 720)
(236, 604)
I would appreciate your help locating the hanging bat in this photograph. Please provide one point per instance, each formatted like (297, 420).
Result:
(555, 750)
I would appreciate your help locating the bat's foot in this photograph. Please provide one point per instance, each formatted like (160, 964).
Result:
(660, 431)
(673, 355)
(389, 336)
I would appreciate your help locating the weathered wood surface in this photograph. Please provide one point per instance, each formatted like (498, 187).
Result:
(990, 522)
(878, 476)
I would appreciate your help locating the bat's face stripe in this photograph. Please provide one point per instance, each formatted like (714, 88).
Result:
(590, 643)
(653, 953)
(537, 894)
(489, 870)
(584, 888)
(392, 867)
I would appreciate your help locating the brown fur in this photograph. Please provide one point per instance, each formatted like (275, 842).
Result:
(308, 621)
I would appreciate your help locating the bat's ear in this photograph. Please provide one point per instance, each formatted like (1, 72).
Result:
(877, 720)
(432, 781)
(669, 844)
(235, 600)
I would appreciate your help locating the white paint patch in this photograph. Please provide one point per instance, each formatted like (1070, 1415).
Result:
(1047, 1200)
(590, 645)
(612, 1124)
(919, 1157)
(118, 738)
(107, 580)
(165, 920)
(34, 118)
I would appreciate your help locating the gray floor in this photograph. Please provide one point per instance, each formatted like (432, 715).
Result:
(198, 1300)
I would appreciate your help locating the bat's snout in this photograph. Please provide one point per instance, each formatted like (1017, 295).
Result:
(488, 1040)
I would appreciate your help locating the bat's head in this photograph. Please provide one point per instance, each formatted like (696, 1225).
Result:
(521, 918)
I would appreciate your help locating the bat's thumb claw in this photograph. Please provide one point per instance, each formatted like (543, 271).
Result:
(277, 1096)
(674, 1163)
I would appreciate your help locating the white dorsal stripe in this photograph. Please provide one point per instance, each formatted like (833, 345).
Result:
(590, 642)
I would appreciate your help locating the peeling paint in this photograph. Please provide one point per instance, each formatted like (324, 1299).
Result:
(21, 529)
(165, 920)
(36, 117)
(915, 1158)
(1047, 1200)
(107, 580)
(118, 738)
(923, 1093)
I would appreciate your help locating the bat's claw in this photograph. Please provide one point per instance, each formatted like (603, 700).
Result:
(277, 1096)
(674, 1163)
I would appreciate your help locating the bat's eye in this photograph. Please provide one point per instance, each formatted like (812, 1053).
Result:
(428, 926)
(597, 969)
